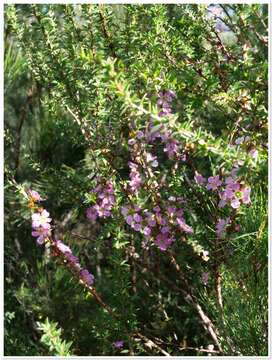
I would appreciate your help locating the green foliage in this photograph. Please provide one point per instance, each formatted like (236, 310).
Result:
(51, 338)
(80, 82)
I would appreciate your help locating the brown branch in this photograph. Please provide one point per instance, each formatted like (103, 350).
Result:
(188, 347)
(190, 299)
(218, 275)
(32, 92)
(150, 343)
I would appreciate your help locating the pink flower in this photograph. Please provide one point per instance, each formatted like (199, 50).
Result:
(147, 231)
(165, 97)
(124, 210)
(171, 210)
(163, 241)
(170, 95)
(104, 204)
(35, 195)
(91, 213)
(86, 277)
(140, 135)
(131, 141)
(62, 247)
(232, 184)
(137, 218)
(165, 230)
(129, 219)
(152, 159)
(135, 179)
(254, 154)
(136, 226)
(180, 213)
(118, 344)
(102, 211)
(228, 194)
(221, 227)
(41, 234)
(171, 148)
(183, 226)
(239, 140)
(235, 203)
(213, 182)
(246, 195)
(222, 203)
(41, 219)
(199, 179)
(73, 260)
(151, 222)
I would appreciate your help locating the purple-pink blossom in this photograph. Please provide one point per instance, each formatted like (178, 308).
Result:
(35, 196)
(135, 177)
(163, 241)
(41, 219)
(139, 135)
(214, 182)
(73, 260)
(136, 226)
(246, 194)
(147, 231)
(183, 226)
(137, 217)
(118, 344)
(221, 227)
(254, 154)
(172, 148)
(199, 179)
(152, 160)
(62, 247)
(41, 234)
(164, 102)
(104, 202)
(86, 277)
(234, 194)
(91, 213)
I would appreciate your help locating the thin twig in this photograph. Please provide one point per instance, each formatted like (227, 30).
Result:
(150, 343)
(190, 299)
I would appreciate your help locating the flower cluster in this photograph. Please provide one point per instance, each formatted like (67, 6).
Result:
(158, 224)
(41, 225)
(135, 177)
(118, 344)
(42, 230)
(234, 194)
(164, 102)
(154, 133)
(40, 220)
(221, 227)
(172, 146)
(104, 202)
(35, 196)
(72, 261)
(230, 190)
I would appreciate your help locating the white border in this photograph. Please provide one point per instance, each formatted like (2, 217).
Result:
(115, 2)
